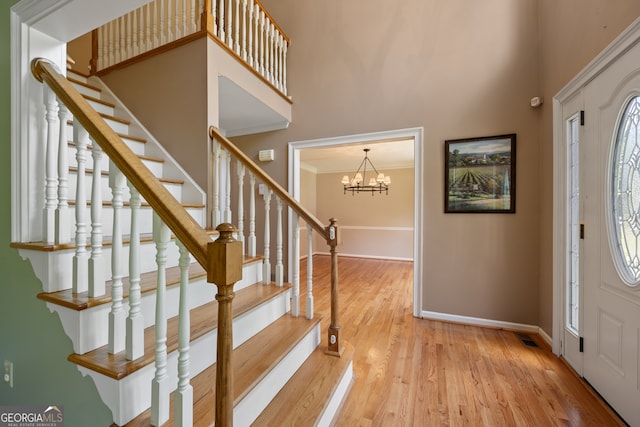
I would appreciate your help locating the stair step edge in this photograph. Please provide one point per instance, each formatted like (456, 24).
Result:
(117, 367)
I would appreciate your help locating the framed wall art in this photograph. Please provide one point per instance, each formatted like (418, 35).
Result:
(480, 175)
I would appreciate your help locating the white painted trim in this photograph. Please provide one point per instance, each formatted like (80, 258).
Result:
(381, 257)
(417, 134)
(374, 228)
(625, 41)
(477, 321)
(545, 336)
(331, 411)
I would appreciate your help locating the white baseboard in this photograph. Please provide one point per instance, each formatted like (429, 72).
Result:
(388, 258)
(477, 321)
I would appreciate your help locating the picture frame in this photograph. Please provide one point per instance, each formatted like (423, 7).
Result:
(480, 175)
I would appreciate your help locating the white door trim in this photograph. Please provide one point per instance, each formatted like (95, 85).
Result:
(627, 39)
(418, 241)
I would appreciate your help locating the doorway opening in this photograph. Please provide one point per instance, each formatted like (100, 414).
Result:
(343, 150)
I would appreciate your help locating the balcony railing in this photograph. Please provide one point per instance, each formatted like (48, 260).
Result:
(243, 27)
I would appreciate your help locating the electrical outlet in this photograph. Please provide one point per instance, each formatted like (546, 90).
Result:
(8, 372)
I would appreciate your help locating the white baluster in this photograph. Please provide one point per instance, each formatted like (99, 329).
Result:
(230, 24)
(279, 263)
(135, 320)
(154, 22)
(51, 155)
(214, 13)
(236, 46)
(96, 262)
(280, 63)
(110, 45)
(80, 259)
(251, 241)
(150, 25)
(295, 273)
(221, 18)
(194, 6)
(177, 31)
(227, 193)
(160, 384)
(244, 30)
(117, 45)
(263, 44)
(101, 47)
(163, 24)
(266, 266)
(63, 234)
(270, 43)
(135, 16)
(309, 272)
(184, 394)
(241, 172)
(250, 41)
(215, 170)
(128, 29)
(117, 313)
(284, 67)
(186, 27)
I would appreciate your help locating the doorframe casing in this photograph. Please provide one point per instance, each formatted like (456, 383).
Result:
(618, 47)
(417, 135)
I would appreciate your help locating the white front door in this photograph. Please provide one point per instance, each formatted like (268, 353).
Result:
(610, 264)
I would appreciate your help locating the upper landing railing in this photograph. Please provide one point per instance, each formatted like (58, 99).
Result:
(243, 27)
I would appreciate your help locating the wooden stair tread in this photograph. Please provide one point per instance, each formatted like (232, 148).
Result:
(304, 397)
(148, 281)
(204, 319)
(252, 361)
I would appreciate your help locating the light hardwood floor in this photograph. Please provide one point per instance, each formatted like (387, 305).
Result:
(416, 372)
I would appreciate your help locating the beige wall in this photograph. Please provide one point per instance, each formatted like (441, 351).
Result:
(308, 190)
(371, 226)
(572, 33)
(457, 68)
(168, 94)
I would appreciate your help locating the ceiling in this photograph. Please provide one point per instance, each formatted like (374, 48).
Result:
(397, 154)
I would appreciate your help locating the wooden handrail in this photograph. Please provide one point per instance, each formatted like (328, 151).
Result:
(186, 229)
(214, 133)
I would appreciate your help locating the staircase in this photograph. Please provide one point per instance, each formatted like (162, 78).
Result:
(147, 332)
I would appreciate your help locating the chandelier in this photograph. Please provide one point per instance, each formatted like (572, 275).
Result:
(377, 183)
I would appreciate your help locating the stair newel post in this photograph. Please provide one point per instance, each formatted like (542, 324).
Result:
(160, 387)
(309, 272)
(135, 320)
(251, 240)
(183, 400)
(241, 173)
(295, 276)
(117, 313)
(279, 263)
(266, 265)
(51, 181)
(96, 262)
(80, 259)
(63, 233)
(225, 269)
(334, 346)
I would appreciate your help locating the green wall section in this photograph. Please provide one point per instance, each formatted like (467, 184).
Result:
(30, 335)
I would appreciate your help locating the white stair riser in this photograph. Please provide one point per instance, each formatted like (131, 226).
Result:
(117, 126)
(249, 408)
(154, 166)
(136, 146)
(101, 108)
(85, 90)
(131, 396)
(174, 189)
(87, 328)
(145, 215)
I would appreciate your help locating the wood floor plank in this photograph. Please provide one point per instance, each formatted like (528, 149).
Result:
(418, 372)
